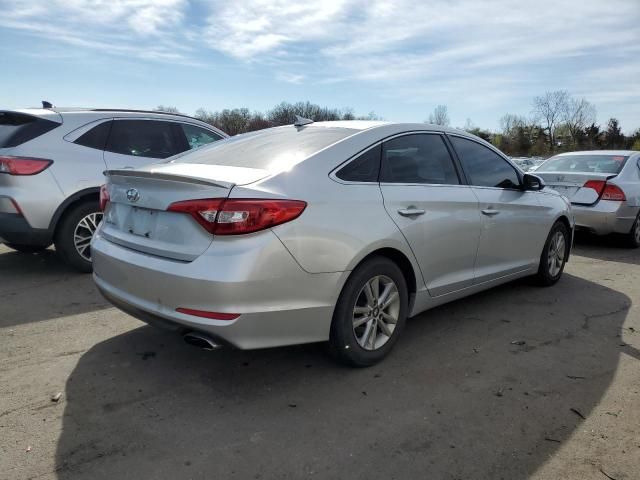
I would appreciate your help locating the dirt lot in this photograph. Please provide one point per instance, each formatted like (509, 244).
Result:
(456, 400)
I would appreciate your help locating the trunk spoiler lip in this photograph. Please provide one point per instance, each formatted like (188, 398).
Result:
(167, 176)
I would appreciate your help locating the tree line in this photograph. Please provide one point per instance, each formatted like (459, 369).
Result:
(558, 122)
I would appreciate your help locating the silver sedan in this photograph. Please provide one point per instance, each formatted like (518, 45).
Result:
(333, 231)
(603, 187)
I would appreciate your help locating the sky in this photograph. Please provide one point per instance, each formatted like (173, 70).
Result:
(397, 58)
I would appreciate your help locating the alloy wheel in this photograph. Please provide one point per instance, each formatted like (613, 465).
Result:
(376, 312)
(83, 233)
(557, 252)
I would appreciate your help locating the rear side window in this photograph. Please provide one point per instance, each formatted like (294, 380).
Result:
(96, 137)
(584, 164)
(483, 166)
(18, 128)
(142, 138)
(418, 158)
(364, 168)
(198, 136)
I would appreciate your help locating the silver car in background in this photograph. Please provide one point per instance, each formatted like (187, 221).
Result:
(332, 231)
(51, 164)
(603, 187)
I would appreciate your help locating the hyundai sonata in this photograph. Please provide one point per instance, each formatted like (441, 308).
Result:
(333, 231)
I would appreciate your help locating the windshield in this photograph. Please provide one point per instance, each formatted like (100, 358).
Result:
(584, 164)
(272, 149)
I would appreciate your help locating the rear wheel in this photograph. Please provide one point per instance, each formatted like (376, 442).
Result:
(370, 313)
(27, 248)
(554, 255)
(73, 235)
(633, 237)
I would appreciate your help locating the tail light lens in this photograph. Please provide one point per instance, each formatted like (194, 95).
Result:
(23, 165)
(222, 216)
(104, 197)
(606, 191)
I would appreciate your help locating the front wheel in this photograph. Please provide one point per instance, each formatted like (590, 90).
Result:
(633, 237)
(370, 313)
(554, 255)
(73, 235)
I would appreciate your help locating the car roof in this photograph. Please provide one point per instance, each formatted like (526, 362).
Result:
(99, 113)
(383, 125)
(625, 153)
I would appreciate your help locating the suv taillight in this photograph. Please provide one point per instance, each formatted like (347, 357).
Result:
(104, 197)
(606, 191)
(222, 216)
(23, 165)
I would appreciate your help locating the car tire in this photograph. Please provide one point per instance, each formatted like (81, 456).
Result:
(353, 339)
(74, 232)
(633, 237)
(554, 255)
(27, 248)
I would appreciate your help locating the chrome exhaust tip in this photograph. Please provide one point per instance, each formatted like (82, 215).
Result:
(201, 340)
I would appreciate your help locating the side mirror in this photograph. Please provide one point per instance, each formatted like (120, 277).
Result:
(532, 182)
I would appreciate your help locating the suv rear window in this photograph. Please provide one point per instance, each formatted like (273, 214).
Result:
(17, 128)
(584, 164)
(273, 149)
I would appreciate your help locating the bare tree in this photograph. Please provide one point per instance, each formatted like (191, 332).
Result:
(579, 113)
(440, 116)
(549, 109)
(510, 122)
(166, 109)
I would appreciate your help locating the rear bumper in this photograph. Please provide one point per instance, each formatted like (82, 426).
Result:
(605, 217)
(255, 276)
(14, 228)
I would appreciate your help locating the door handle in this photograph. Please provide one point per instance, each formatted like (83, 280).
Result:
(411, 211)
(490, 212)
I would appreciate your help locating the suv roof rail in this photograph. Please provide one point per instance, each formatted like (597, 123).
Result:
(141, 111)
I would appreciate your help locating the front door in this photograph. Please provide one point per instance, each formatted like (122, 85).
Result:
(514, 224)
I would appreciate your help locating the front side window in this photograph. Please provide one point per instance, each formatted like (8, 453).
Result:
(417, 158)
(364, 168)
(198, 136)
(483, 166)
(142, 138)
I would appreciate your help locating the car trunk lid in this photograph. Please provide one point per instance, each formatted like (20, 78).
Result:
(572, 185)
(137, 216)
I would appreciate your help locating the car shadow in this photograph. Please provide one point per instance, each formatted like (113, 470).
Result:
(486, 387)
(36, 287)
(612, 248)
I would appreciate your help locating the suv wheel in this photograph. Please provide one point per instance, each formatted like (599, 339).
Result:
(73, 235)
(370, 313)
(27, 248)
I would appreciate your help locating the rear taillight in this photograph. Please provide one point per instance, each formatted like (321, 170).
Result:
(239, 216)
(613, 192)
(23, 165)
(606, 191)
(104, 197)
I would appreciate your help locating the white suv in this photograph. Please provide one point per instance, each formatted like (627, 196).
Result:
(51, 164)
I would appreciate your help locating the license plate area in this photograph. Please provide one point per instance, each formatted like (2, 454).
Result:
(141, 222)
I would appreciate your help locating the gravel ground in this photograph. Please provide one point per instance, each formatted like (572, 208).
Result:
(518, 382)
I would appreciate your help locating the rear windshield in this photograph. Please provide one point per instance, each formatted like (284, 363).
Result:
(18, 128)
(584, 163)
(272, 149)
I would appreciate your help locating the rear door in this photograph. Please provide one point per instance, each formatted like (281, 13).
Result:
(438, 216)
(514, 224)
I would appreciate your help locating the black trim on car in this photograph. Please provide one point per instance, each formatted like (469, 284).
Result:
(14, 228)
(87, 192)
